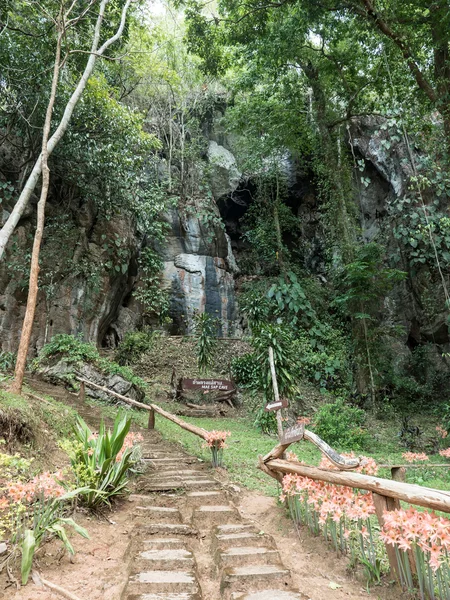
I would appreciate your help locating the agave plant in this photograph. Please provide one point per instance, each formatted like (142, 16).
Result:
(101, 461)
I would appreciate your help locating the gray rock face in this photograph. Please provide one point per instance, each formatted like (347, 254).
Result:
(97, 303)
(384, 149)
(388, 171)
(83, 302)
(198, 271)
(225, 176)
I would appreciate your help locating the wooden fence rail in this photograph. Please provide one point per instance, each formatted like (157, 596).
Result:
(407, 492)
(387, 493)
(151, 408)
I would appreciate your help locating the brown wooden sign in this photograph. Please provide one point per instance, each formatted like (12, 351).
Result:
(293, 434)
(208, 385)
(276, 405)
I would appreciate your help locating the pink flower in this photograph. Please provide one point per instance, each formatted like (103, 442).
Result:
(445, 453)
(130, 440)
(441, 432)
(216, 439)
(415, 456)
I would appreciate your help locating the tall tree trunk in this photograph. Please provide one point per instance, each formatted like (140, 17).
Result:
(441, 39)
(43, 160)
(333, 171)
(278, 232)
(10, 225)
(27, 326)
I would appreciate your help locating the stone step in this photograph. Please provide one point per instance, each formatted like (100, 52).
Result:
(270, 595)
(163, 476)
(161, 559)
(247, 555)
(202, 498)
(164, 543)
(235, 528)
(165, 596)
(153, 582)
(210, 515)
(157, 485)
(161, 514)
(168, 499)
(169, 529)
(254, 578)
(230, 540)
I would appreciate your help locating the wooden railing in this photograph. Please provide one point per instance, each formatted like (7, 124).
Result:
(151, 408)
(387, 493)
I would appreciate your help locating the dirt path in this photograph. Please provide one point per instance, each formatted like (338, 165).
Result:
(186, 536)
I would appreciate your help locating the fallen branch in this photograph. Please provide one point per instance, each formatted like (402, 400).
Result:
(38, 398)
(38, 580)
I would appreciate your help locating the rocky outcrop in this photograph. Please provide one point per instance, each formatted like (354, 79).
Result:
(63, 372)
(198, 271)
(89, 269)
(81, 291)
(386, 171)
(224, 176)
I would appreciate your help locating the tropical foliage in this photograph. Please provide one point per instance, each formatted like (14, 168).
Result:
(102, 462)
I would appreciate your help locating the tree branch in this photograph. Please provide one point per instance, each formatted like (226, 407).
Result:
(385, 28)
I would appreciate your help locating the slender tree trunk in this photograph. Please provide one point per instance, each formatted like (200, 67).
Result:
(27, 326)
(369, 364)
(278, 232)
(276, 394)
(43, 160)
(170, 146)
(10, 225)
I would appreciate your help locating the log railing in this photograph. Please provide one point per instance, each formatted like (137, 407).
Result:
(151, 408)
(387, 493)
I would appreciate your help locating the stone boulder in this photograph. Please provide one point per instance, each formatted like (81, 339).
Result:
(63, 372)
(225, 176)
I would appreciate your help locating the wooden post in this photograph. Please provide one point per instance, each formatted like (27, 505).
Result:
(151, 419)
(82, 393)
(276, 393)
(382, 505)
(398, 473)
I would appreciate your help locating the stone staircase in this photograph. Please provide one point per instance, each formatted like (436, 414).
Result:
(189, 541)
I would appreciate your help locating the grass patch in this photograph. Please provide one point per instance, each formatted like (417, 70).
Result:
(246, 443)
(24, 419)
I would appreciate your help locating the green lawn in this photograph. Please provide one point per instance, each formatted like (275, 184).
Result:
(246, 443)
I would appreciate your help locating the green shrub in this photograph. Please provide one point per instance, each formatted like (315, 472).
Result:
(7, 361)
(246, 370)
(75, 351)
(206, 328)
(45, 519)
(266, 421)
(341, 425)
(278, 337)
(133, 345)
(102, 462)
(72, 348)
(326, 364)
